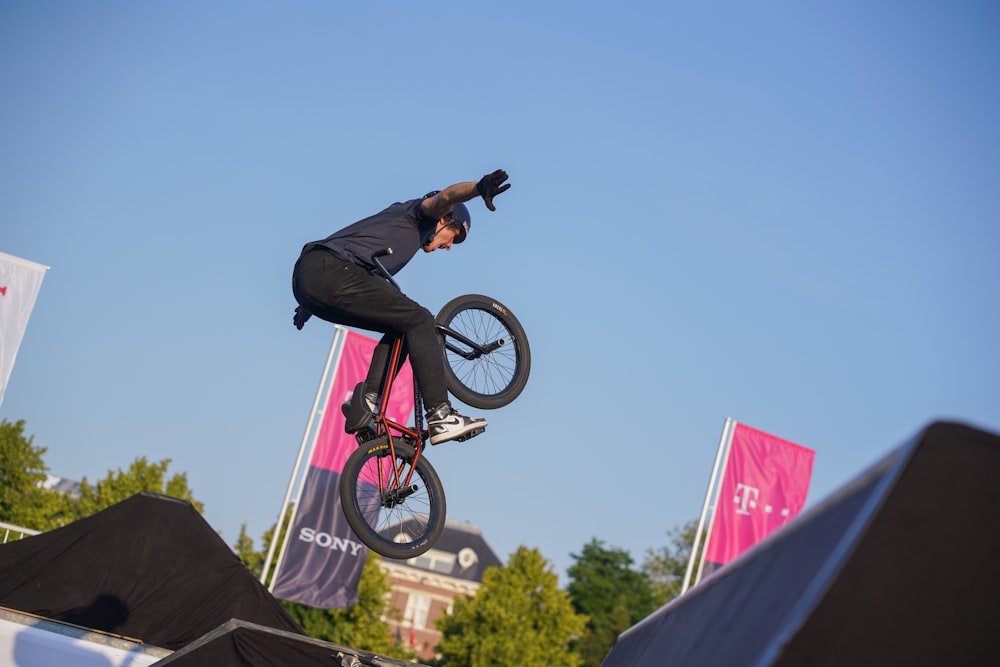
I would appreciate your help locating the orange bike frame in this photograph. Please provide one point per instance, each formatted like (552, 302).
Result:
(386, 426)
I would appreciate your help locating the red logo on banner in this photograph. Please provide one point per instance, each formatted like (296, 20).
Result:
(3, 291)
(764, 487)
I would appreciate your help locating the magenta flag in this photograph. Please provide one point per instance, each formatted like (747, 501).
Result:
(764, 487)
(323, 559)
(333, 446)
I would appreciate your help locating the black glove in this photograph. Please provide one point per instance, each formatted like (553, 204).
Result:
(301, 315)
(489, 186)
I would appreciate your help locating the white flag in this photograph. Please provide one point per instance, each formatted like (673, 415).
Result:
(20, 281)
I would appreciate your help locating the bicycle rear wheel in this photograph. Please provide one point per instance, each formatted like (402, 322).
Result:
(487, 358)
(395, 508)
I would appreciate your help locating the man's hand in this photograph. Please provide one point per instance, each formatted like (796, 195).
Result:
(301, 315)
(490, 185)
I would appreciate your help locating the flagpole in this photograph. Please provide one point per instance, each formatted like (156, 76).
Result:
(298, 496)
(334, 346)
(727, 430)
(715, 510)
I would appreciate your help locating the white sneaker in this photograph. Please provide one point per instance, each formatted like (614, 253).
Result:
(445, 424)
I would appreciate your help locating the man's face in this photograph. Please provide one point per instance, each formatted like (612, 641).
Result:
(444, 237)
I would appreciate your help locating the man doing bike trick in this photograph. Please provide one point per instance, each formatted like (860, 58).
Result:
(337, 280)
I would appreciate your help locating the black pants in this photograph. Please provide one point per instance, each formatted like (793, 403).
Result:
(344, 293)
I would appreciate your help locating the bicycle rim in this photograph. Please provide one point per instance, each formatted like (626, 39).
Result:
(396, 509)
(490, 376)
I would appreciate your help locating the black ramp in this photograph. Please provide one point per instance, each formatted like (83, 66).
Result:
(149, 568)
(241, 644)
(902, 566)
(923, 586)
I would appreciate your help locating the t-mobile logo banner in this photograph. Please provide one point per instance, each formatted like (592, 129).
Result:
(765, 485)
(323, 559)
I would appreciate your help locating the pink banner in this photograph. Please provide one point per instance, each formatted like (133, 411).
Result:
(333, 446)
(323, 560)
(764, 487)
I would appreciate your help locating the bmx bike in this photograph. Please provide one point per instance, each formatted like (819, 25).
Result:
(392, 497)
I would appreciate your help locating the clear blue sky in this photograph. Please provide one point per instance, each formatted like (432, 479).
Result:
(780, 212)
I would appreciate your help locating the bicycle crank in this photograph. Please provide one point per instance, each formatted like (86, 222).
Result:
(396, 497)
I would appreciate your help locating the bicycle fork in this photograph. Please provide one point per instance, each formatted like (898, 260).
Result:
(475, 350)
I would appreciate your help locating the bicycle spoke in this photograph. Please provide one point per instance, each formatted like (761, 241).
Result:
(490, 368)
(491, 373)
(390, 507)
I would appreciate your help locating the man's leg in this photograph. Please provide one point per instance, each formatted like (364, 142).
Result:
(342, 292)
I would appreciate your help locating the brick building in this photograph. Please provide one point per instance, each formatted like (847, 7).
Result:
(424, 588)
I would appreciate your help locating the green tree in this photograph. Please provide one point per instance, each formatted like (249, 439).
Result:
(667, 565)
(359, 626)
(23, 499)
(254, 560)
(614, 596)
(140, 476)
(518, 617)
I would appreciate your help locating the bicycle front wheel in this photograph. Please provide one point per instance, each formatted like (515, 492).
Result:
(487, 358)
(396, 508)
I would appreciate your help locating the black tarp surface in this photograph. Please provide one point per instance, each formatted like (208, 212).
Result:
(241, 644)
(149, 568)
(901, 567)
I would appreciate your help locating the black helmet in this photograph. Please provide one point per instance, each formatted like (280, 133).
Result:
(460, 218)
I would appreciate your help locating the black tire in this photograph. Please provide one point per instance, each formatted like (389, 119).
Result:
(402, 530)
(494, 379)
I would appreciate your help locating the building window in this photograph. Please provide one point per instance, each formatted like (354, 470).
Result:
(417, 608)
(435, 561)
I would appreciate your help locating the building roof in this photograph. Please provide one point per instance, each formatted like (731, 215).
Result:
(461, 552)
(71, 487)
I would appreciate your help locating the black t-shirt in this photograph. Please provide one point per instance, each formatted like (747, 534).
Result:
(401, 227)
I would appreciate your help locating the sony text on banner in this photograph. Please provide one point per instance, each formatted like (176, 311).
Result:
(764, 487)
(20, 281)
(323, 559)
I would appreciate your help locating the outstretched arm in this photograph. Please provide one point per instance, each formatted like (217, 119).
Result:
(488, 187)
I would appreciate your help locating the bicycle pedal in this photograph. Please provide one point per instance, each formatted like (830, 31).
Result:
(368, 436)
(363, 429)
(471, 434)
